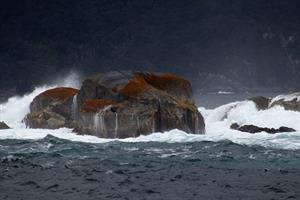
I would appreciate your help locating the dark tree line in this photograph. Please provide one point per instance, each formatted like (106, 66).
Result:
(247, 43)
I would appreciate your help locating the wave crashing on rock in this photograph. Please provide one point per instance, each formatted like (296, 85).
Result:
(119, 104)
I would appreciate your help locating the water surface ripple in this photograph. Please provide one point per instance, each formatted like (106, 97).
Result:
(53, 168)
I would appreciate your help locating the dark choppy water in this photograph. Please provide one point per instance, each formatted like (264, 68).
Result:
(52, 168)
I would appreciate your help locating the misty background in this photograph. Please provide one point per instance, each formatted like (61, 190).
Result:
(219, 45)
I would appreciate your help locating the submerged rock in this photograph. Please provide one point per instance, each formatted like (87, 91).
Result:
(3, 125)
(257, 129)
(119, 105)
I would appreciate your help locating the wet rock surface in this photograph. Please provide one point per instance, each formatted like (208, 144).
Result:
(128, 104)
(257, 129)
(3, 125)
(51, 109)
(289, 102)
(262, 103)
(120, 104)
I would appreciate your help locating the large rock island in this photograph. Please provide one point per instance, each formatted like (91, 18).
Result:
(119, 104)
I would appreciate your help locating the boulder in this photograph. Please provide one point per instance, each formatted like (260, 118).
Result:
(289, 102)
(52, 109)
(128, 104)
(262, 103)
(257, 129)
(120, 104)
(3, 125)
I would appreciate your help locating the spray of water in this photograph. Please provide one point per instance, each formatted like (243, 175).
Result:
(99, 122)
(14, 110)
(116, 125)
(75, 108)
(73, 79)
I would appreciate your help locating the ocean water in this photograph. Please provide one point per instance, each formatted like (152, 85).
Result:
(53, 168)
(221, 164)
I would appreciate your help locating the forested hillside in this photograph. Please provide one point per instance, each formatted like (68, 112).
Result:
(230, 44)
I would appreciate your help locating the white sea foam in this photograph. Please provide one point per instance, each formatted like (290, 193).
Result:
(288, 97)
(281, 140)
(224, 92)
(217, 122)
(13, 111)
(73, 79)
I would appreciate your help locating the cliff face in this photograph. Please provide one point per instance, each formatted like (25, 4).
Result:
(120, 104)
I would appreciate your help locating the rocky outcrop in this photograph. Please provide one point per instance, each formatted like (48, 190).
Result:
(52, 109)
(257, 129)
(121, 104)
(126, 104)
(289, 102)
(3, 125)
(262, 103)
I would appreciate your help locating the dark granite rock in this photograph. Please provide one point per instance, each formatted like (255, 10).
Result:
(261, 102)
(289, 102)
(127, 104)
(51, 109)
(257, 129)
(120, 104)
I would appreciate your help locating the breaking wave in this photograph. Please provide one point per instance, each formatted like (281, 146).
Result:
(13, 111)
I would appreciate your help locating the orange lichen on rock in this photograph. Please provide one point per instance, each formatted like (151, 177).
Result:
(94, 105)
(142, 82)
(135, 86)
(60, 93)
(166, 81)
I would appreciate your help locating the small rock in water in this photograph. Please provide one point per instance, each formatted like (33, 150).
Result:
(257, 129)
(288, 102)
(286, 129)
(3, 125)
